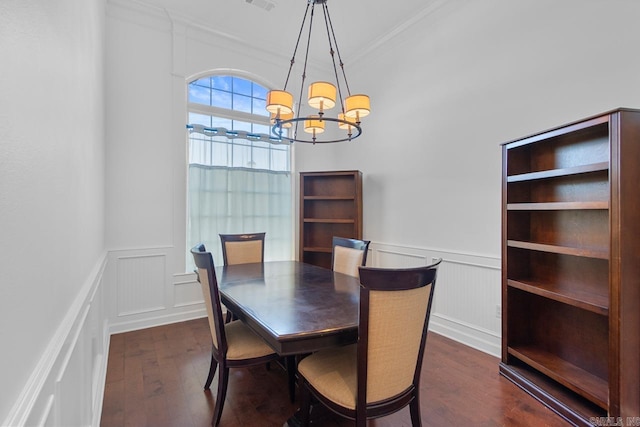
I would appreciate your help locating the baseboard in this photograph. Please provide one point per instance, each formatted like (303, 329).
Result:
(483, 340)
(152, 321)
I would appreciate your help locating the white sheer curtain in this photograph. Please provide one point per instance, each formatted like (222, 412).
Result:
(226, 200)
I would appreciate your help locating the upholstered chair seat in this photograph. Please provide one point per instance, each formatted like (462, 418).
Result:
(243, 343)
(333, 374)
(380, 374)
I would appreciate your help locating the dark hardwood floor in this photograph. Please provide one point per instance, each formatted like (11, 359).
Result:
(155, 377)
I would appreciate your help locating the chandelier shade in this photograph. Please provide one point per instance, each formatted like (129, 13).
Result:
(357, 106)
(314, 124)
(322, 96)
(346, 122)
(279, 102)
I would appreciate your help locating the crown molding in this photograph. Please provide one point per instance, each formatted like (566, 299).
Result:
(178, 19)
(430, 8)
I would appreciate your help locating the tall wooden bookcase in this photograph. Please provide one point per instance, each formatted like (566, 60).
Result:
(330, 205)
(571, 266)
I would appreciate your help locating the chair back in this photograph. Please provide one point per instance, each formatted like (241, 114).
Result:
(348, 254)
(395, 305)
(207, 278)
(242, 248)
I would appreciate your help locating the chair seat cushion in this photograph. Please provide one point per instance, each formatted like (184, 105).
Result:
(333, 373)
(243, 343)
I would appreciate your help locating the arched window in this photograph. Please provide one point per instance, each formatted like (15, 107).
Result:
(239, 181)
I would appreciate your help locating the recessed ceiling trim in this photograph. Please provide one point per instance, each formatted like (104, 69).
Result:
(262, 4)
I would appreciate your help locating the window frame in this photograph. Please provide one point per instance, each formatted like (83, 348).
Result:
(243, 116)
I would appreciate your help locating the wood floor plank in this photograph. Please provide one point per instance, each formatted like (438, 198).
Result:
(155, 377)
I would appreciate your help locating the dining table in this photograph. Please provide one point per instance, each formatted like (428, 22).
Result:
(297, 308)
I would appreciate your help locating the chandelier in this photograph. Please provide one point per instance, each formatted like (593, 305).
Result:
(322, 96)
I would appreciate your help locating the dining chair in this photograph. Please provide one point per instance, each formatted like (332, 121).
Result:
(241, 249)
(234, 344)
(348, 254)
(244, 249)
(381, 373)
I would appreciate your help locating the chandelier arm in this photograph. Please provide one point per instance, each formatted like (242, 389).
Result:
(325, 9)
(295, 50)
(335, 41)
(277, 129)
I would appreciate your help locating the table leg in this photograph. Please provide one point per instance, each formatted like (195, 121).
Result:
(317, 414)
(291, 366)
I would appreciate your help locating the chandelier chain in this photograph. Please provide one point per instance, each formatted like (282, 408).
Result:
(344, 74)
(327, 20)
(295, 50)
(304, 68)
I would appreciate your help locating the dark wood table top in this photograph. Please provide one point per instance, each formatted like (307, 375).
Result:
(296, 307)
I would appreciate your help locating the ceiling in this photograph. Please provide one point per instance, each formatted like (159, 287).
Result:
(358, 24)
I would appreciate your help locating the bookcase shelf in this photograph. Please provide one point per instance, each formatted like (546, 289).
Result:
(330, 205)
(584, 299)
(328, 198)
(566, 250)
(566, 373)
(557, 206)
(554, 173)
(570, 268)
(320, 250)
(331, 220)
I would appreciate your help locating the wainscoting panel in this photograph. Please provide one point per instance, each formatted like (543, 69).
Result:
(187, 291)
(146, 293)
(67, 385)
(467, 301)
(141, 283)
(74, 380)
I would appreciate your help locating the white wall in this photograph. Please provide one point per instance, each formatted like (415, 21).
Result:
(152, 54)
(51, 197)
(445, 93)
(447, 89)
(459, 82)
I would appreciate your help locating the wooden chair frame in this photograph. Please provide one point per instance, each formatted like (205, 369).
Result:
(204, 260)
(379, 279)
(225, 238)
